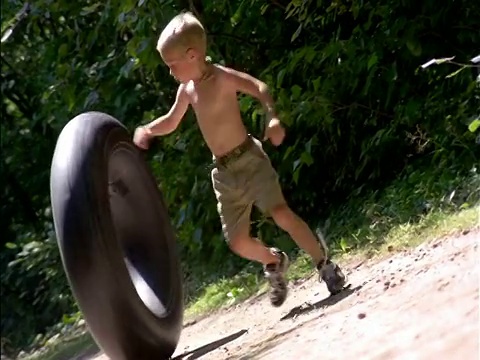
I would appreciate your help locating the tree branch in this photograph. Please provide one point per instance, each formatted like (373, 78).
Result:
(232, 36)
(18, 18)
(340, 107)
(277, 4)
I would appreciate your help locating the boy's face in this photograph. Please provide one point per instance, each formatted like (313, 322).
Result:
(183, 65)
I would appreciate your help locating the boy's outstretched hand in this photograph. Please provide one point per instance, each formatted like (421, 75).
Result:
(142, 137)
(275, 132)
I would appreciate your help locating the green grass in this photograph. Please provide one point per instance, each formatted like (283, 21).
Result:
(65, 349)
(437, 224)
(417, 207)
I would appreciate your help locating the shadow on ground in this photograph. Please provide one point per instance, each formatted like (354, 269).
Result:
(189, 355)
(205, 349)
(92, 350)
(329, 301)
(296, 311)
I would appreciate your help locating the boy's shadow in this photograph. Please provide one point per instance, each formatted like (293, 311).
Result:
(203, 350)
(329, 301)
(296, 311)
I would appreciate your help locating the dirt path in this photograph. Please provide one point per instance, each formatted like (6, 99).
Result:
(419, 304)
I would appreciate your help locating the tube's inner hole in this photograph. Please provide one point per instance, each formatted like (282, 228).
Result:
(139, 230)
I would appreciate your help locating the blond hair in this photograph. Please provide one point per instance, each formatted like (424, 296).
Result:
(184, 31)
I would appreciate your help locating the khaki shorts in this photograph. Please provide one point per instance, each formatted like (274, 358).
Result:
(248, 180)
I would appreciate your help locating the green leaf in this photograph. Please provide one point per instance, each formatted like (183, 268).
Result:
(10, 245)
(414, 46)
(316, 84)
(296, 163)
(372, 61)
(296, 33)
(307, 159)
(236, 18)
(288, 152)
(296, 175)
(455, 72)
(63, 50)
(128, 5)
(474, 125)
(264, 8)
(296, 91)
(87, 10)
(308, 146)
(443, 60)
(280, 76)
(464, 206)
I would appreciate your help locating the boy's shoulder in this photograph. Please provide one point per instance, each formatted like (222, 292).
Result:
(226, 70)
(220, 70)
(231, 76)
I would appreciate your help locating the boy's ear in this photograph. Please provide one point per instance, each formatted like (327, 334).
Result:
(192, 54)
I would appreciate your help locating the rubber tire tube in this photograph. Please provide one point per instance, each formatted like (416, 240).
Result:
(117, 244)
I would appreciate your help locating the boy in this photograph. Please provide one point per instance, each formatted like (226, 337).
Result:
(242, 173)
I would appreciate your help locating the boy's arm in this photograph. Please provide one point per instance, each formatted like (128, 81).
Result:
(254, 87)
(167, 123)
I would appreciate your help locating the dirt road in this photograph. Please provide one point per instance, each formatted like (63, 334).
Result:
(419, 304)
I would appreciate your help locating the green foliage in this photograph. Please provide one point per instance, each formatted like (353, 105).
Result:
(346, 76)
(35, 289)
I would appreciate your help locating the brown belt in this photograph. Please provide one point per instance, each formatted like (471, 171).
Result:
(235, 153)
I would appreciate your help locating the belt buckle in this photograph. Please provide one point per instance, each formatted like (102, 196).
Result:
(229, 158)
(222, 162)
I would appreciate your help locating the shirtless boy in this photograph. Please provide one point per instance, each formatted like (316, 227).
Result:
(242, 175)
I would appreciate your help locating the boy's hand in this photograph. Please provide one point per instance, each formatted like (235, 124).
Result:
(142, 137)
(275, 132)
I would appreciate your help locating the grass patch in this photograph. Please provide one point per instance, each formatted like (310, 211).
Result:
(65, 348)
(226, 292)
(432, 226)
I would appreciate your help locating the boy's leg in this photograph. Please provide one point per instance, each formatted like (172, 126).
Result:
(275, 263)
(270, 199)
(234, 211)
(312, 244)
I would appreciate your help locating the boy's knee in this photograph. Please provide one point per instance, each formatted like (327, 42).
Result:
(283, 216)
